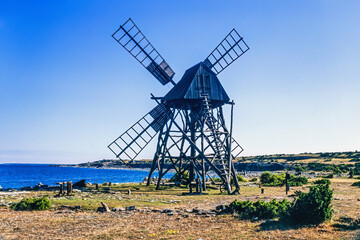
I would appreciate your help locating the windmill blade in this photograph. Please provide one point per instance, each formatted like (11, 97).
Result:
(133, 40)
(129, 144)
(230, 49)
(236, 149)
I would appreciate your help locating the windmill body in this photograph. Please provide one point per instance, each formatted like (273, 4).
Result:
(193, 138)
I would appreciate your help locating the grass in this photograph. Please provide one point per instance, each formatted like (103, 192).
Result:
(88, 224)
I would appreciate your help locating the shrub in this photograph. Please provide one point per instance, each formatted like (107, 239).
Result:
(322, 181)
(29, 204)
(299, 169)
(240, 179)
(329, 176)
(351, 173)
(269, 179)
(297, 181)
(313, 207)
(253, 179)
(259, 209)
(356, 184)
(177, 177)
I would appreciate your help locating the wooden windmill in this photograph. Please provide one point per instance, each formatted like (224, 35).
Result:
(189, 119)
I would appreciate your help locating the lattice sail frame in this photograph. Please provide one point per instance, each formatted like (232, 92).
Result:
(229, 49)
(129, 144)
(133, 40)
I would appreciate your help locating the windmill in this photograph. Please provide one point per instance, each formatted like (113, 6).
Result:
(189, 119)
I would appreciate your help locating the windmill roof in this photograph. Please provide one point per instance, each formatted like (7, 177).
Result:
(188, 87)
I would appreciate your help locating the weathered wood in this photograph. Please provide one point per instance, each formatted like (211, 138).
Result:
(61, 189)
(69, 188)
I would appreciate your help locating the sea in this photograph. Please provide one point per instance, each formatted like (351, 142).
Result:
(21, 175)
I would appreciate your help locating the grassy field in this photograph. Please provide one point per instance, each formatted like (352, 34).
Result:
(148, 223)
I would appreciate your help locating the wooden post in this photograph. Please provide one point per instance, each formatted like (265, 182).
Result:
(287, 176)
(97, 186)
(69, 188)
(61, 189)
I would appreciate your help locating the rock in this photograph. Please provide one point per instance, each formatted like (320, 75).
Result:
(78, 207)
(106, 208)
(195, 210)
(62, 212)
(131, 208)
(166, 210)
(80, 184)
(76, 191)
(118, 209)
(27, 188)
(220, 208)
(188, 210)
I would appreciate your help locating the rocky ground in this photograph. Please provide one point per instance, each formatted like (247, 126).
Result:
(134, 211)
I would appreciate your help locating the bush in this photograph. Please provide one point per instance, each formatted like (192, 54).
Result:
(259, 209)
(313, 207)
(269, 179)
(253, 179)
(322, 181)
(177, 178)
(240, 179)
(351, 173)
(356, 184)
(297, 181)
(329, 176)
(29, 204)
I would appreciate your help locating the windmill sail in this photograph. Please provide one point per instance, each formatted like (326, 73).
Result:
(133, 40)
(230, 49)
(129, 144)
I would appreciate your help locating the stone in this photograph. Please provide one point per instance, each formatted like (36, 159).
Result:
(220, 208)
(166, 210)
(80, 184)
(188, 210)
(118, 209)
(105, 207)
(131, 208)
(195, 210)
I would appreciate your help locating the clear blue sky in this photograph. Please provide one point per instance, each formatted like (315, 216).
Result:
(67, 89)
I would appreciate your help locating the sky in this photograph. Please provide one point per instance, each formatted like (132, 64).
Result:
(67, 89)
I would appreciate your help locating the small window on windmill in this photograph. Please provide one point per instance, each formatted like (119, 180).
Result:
(207, 82)
(200, 82)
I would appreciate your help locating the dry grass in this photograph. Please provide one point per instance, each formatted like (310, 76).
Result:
(140, 225)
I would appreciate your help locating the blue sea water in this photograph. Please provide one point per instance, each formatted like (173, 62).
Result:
(21, 175)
